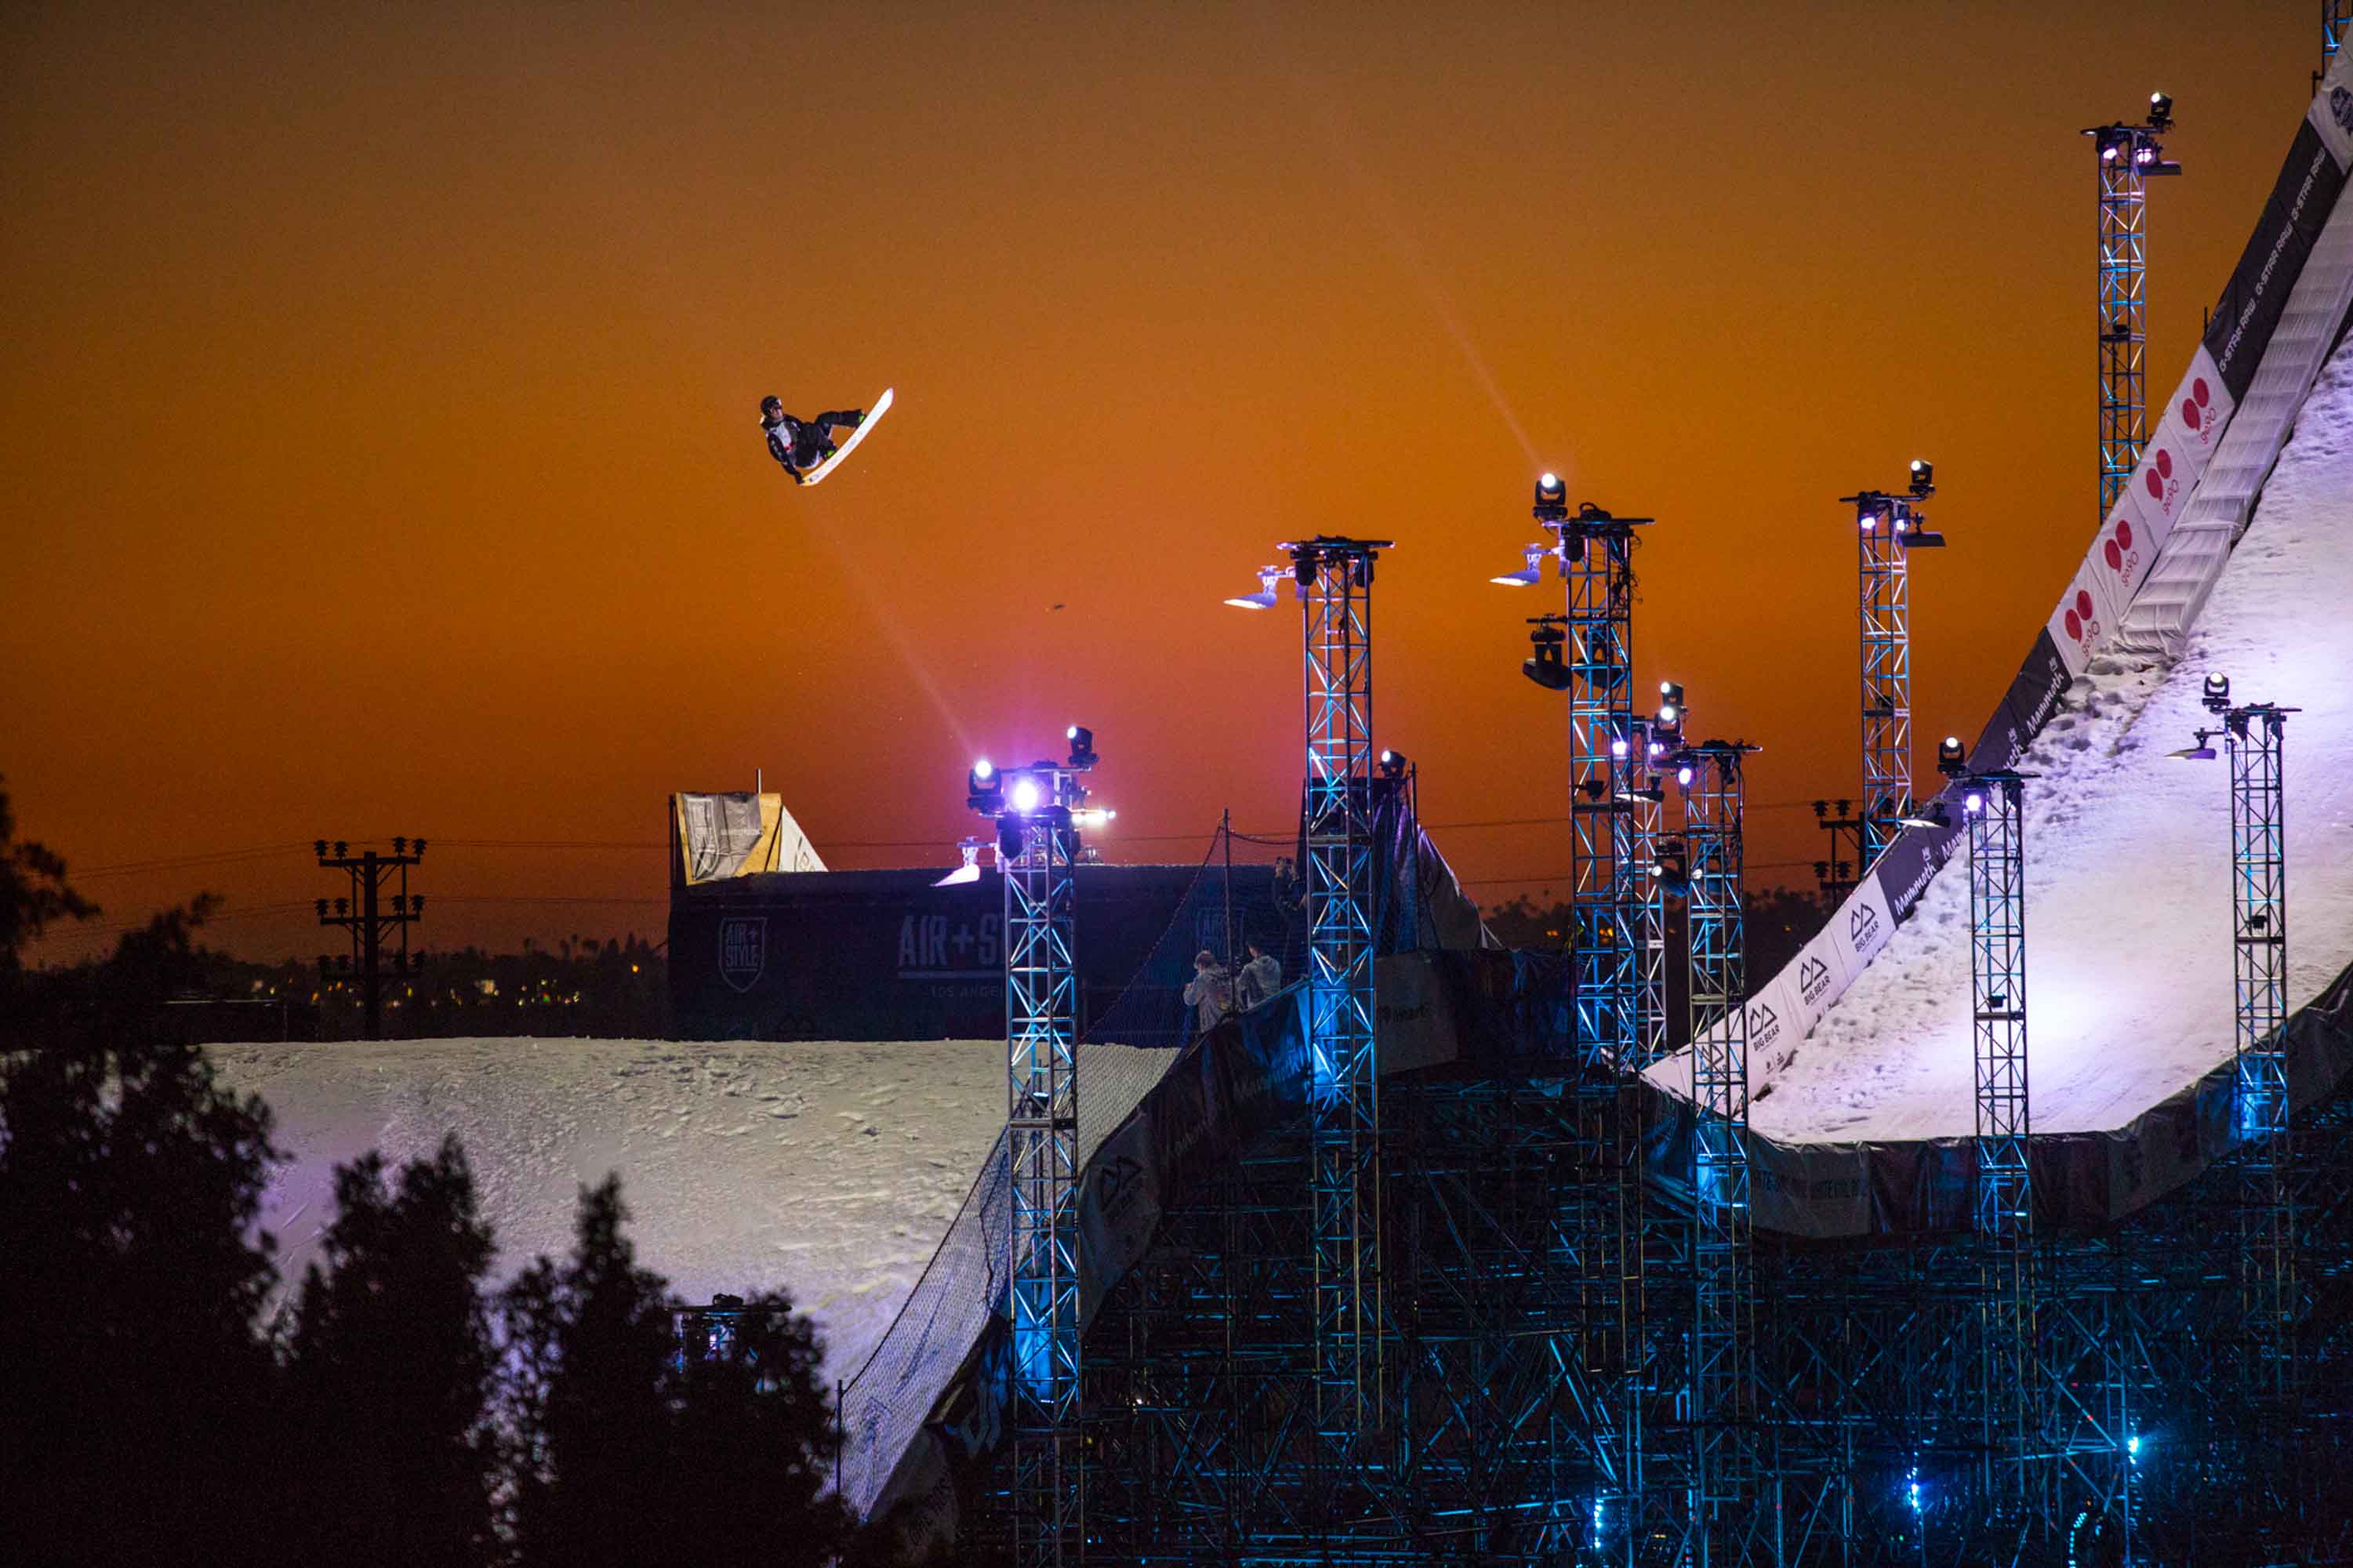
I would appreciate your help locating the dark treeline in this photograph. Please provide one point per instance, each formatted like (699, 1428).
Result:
(395, 1407)
(162, 1400)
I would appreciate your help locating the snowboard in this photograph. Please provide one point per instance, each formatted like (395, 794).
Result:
(873, 417)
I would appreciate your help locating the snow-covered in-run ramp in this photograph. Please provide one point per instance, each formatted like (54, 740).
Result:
(2129, 982)
(829, 1171)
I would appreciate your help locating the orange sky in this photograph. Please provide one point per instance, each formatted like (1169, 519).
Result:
(379, 410)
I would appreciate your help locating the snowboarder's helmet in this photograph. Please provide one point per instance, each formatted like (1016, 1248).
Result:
(772, 409)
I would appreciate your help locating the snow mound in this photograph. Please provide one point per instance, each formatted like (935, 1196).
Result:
(2129, 985)
(826, 1170)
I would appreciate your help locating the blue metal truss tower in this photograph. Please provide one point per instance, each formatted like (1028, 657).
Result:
(1888, 528)
(2336, 33)
(1618, 941)
(1037, 855)
(1994, 805)
(2252, 734)
(1336, 579)
(2126, 157)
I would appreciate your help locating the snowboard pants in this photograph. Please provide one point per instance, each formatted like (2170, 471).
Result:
(812, 439)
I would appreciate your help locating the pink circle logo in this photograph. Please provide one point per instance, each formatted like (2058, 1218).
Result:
(2198, 390)
(2124, 532)
(2116, 557)
(2083, 603)
(2189, 414)
(2165, 462)
(2074, 628)
(2156, 483)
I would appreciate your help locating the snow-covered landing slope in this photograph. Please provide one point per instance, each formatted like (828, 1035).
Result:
(828, 1170)
(2128, 913)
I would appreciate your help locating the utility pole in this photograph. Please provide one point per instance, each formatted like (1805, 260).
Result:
(372, 918)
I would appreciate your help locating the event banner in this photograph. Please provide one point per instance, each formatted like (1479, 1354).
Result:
(2299, 205)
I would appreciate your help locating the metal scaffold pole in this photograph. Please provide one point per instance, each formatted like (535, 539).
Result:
(1037, 855)
(1888, 528)
(1723, 1357)
(2127, 156)
(2253, 736)
(1994, 807)
(1344, 1095)
(2336, 33)
(1617, 943)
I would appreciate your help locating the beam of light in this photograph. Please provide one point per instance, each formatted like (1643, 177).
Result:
(1374, 195)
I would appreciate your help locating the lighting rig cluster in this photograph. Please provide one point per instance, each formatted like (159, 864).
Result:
(1888, 528)
(1037, 811)
(2127, 156)
(378, 906)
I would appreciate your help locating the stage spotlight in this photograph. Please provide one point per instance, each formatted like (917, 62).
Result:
(343, 906)
(417, 903)
(1393, 764)
(419, 850)
(1669, 692)
(1973, 801)
(1549, 666)
(2217, 693)
(1531, 572)
(984, 790)
(1684, 774)
(320, 846)
(400, 844)
(1552, 499)
(2160, 112)
(1024, 795)
(1923, 478)
(1618, 747)
(343, 849)
(1952, 759)
(1268, 577)
(1009, 841)
(323, 909)
(1082, 748)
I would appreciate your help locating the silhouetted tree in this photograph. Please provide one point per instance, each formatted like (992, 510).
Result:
(136, 1388)
(34, 893)
(628, 1453)
(389, 1372)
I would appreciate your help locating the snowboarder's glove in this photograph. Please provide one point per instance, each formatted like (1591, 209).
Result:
(797, 476)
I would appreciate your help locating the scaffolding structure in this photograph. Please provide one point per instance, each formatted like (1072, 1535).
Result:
(1994, 804)
(2254, 737)
(1336, 577)
(2127, 155)
(1888, 528)
(1036, 843)
(2335, 32)
(1723, 1404)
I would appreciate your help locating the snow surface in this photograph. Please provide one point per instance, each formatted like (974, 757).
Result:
(826, 1170)
(2130, 986)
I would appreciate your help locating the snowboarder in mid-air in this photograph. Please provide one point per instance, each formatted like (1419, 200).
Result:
(801, 445)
